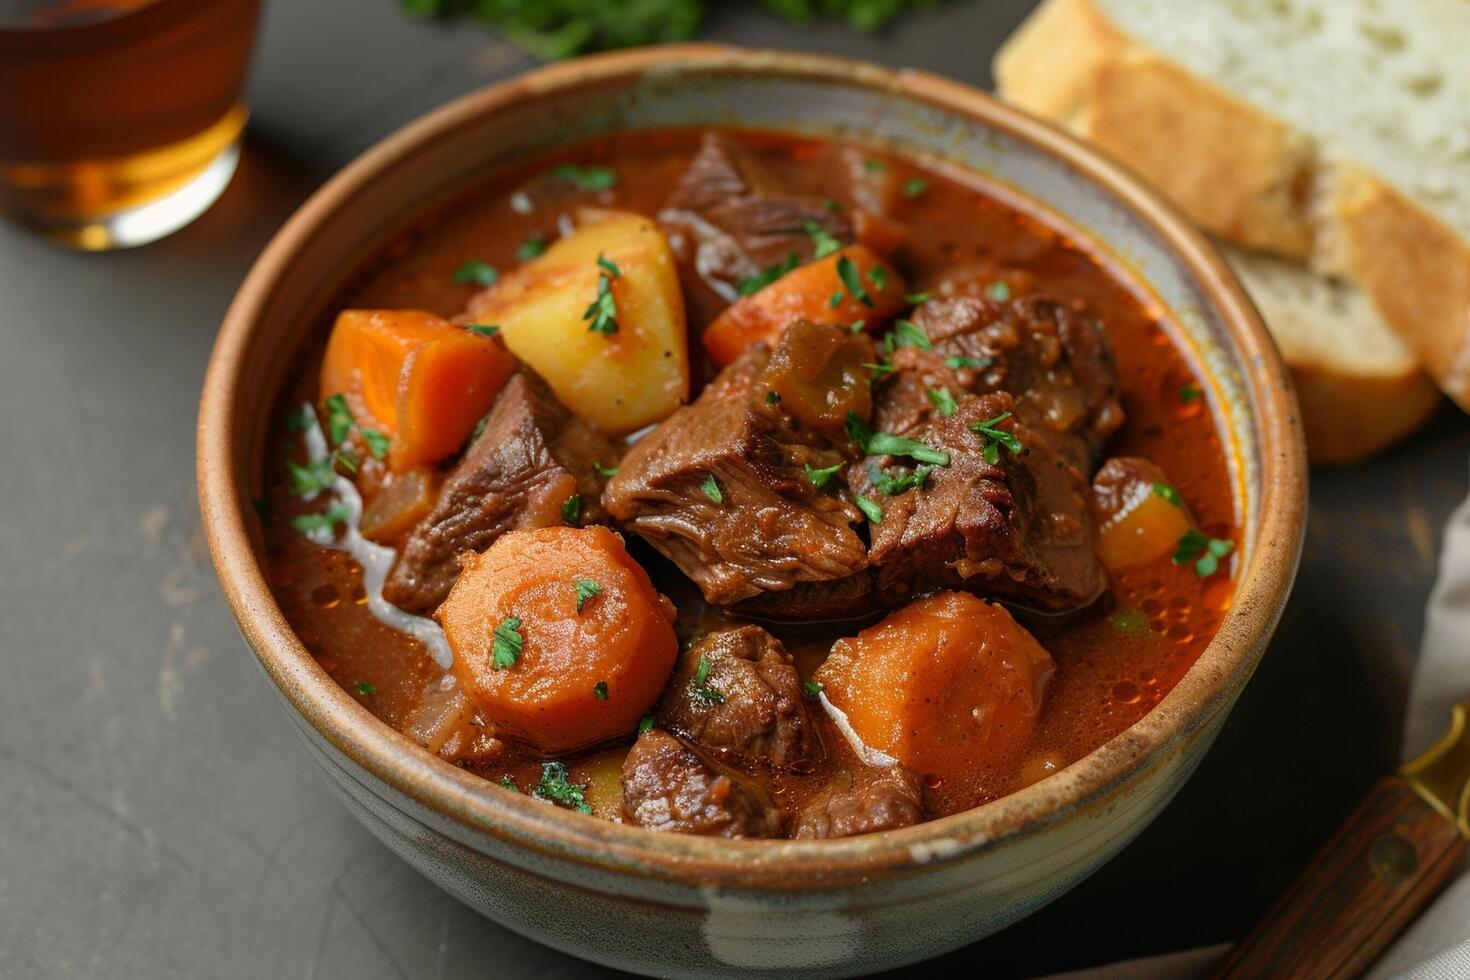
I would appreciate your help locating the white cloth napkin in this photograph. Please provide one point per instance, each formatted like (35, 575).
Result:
(1437, 946)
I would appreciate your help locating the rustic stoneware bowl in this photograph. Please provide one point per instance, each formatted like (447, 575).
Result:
(680, 905)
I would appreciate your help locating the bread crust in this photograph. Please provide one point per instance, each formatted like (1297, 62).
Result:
(1254, 180)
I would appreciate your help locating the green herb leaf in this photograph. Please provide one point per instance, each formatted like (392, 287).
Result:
(857, 326)
(571, 510)
(1000, 291)
(339, 418)
(377, 443)
(324, 523)
(599, 691)
(914, 299)
(878, 276)
(1168, 493)
(509, 784)
(483, 329)
(821, 477)
(848, 273)
(1188, 393)
(608, 265)
(773, 398)
(476, 273)
(347, 460)
(832, 205)
(505, 650)
(943, 400)
(602, 313)
(586, 178)
(878, 368)
(915, 186)
(1129, 621)
(870, 510)
(298, 420)
(893, 486)
(702, 690)
(479, 429)
(883, 444)
(701, 671)
(835, 300)
(604, 470)
(1203, 550)
(533, 247)
(822, 240)
(645, 724)
(556, 786)
(906, 334)
(959, 363)
(768, 275)
(874, 166)
(992, 437)
(711, 489)
(311, 479)
(586, 589)
(364, 688)
(812, 688)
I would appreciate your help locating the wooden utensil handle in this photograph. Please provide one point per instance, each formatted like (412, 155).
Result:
(1379, 870)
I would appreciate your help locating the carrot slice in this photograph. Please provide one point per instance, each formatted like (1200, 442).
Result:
(414, 377)
(808, 293)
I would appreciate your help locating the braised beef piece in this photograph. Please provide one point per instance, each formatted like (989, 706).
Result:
(532, 456)
(1009, 525)
(729, 219)
(1056, 363)
(669, 786)
(721, 488)
(736, 693)
(1122, 481)
(864, 802)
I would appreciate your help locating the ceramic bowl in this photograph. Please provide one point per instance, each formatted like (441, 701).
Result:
(678, 905)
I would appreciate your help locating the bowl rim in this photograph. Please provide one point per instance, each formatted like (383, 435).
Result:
(1206, 689)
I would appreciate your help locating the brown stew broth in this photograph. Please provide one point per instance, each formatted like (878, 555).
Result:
(1114, 661)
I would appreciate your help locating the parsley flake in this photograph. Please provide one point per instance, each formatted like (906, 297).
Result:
(1168, 493)
(702, 689)
(1203, 550)
(768, 275)
(324, 524)
(812, 688)
(339, 418)
(1129, 621)
(586, 589)
(870, 510)
(848, 273)
(506, 648)
(571, 510)
(479, 429)
(309, 480)
(711, 489)
(604, 470)
(586, 178)
(821, 477)
(364, 688)
(878, 276)
(914, 299)
(347, 460)
(1000, 291)
(906, 334)
(943, 400)
(915, 186)
(878, 368)
(1188, 393)
(510, 784)
(835, 300)
(483, 329)
(773, 398)
(959, 363)
(822, 240)
(884, 444)
(533, 247)
(599, 691)
(298, 420)
(377, 443)
(874, 166)
(602, 313)
(556, 786)
(645, 724)
(992, 437)
(832, 206)
(476, 273)
(893, 486)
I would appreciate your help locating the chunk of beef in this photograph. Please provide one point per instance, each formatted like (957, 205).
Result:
(1018, 528)
(748, 704)
(813, 602)
(1123, 482)
(721, 489)
(729, 219)
(669, 786)
(864, 802)
(532, 456)
(1056, 363)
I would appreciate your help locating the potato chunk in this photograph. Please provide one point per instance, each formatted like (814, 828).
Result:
(633, 368)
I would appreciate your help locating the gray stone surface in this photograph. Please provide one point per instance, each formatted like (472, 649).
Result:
(156, 819)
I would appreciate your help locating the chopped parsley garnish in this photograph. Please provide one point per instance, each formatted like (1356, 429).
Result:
(773, 398)
(702, 689)
(602, 313)
(1130, 621)
(835, 300)
(879, 367)
(479, 429)
(604, 470)
(483, 329)
(586, 178)
(509, 784)
(599, 691)
(992, 437)
(821, 477)
(832, 205)
(943, 400)
(1000, 291)
(822, 240)
(556, 786)
(870, 510)
(711, 488)
(883, 444)
(298, 420)
(1168, 493)
(571, 509)
(812, 688)
(309, 480)
(347, 460)
(364, 688)
(905, 334)
(915, 186)
(533, 247)
(768, 275)
(377, 443)
(506, 648)
(914, 299)
(848, 273)
(959, 362)
(339, 418)
(878, 276)
(1205, 551)
(857, 326)
(874, 166)
(324, 523)
(893, 486)
(645, 724)
(586, 589)
(1188, 393)
(476, 273)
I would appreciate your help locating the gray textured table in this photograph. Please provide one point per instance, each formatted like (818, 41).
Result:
(156, 819)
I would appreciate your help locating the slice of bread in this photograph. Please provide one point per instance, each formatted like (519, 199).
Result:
(1358, 384)
(1336, 132)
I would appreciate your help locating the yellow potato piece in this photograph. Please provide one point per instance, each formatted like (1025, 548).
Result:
(618, 381)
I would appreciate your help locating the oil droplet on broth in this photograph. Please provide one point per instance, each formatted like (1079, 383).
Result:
(1126, 692)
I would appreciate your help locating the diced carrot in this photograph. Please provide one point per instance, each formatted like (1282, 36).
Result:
(949, 685)
(808, 293)
(414, 377)
(399, 505)
(543, 670)
(881, 234)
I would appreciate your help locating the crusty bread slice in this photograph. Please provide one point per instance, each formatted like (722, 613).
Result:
(1358, 384)
(1335, 131)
